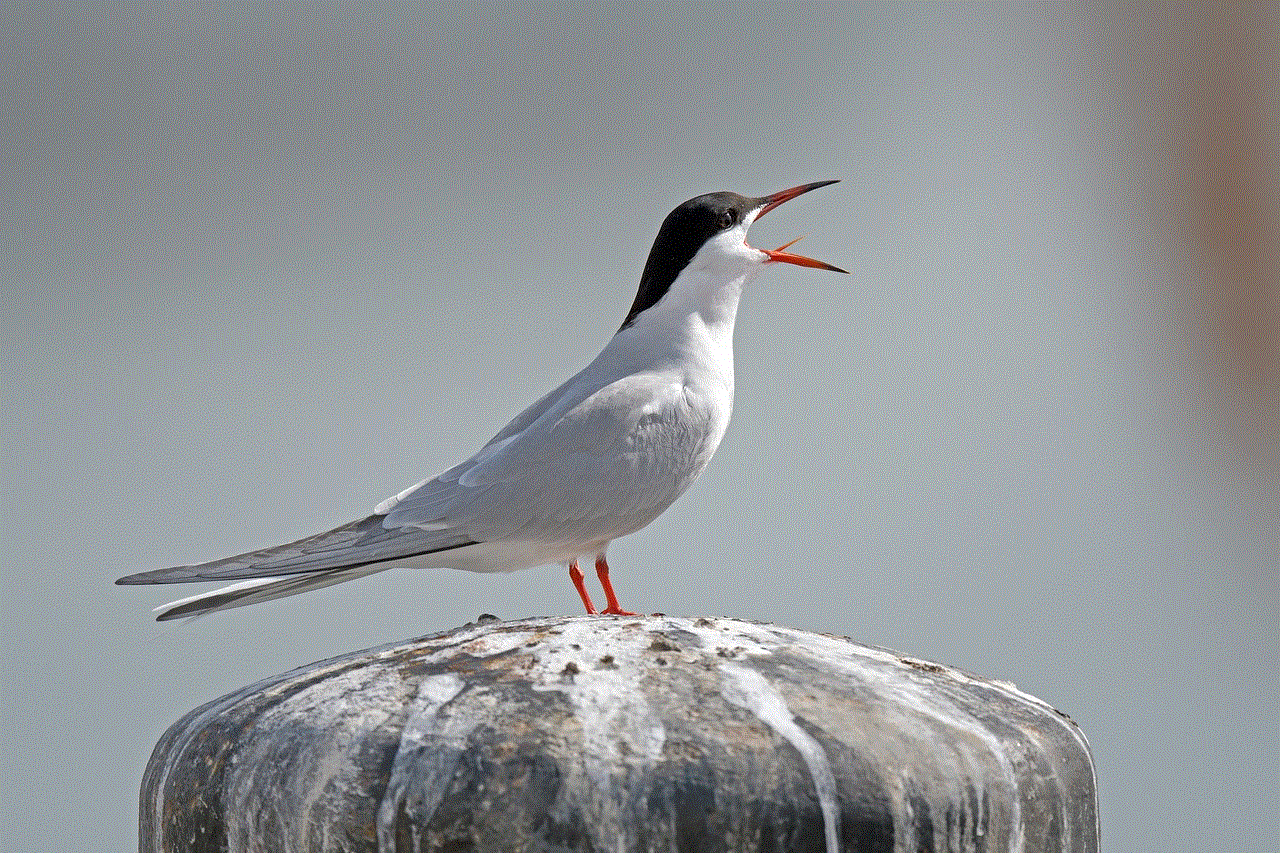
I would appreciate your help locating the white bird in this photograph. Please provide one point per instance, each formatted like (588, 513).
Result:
(597, 458)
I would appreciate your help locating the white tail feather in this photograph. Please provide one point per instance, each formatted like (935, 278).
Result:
(258, 590)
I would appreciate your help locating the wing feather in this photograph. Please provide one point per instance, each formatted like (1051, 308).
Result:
(356, 544)
(258, 590)
(574, 465)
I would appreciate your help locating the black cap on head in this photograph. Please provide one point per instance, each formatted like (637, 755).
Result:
(682, 234)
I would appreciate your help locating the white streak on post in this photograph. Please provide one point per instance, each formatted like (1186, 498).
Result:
(432, 731)
(748, 689)
(598, 672)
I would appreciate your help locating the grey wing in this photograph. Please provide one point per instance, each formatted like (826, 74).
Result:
(431, 496)
(370, 540)
(359, 543)
(582, 457)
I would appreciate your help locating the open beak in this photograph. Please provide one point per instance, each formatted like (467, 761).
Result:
(799, 260)
(779, 255)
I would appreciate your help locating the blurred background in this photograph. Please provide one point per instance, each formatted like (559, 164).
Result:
(265, 266)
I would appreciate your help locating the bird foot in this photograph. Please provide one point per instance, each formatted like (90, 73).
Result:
(612, 607)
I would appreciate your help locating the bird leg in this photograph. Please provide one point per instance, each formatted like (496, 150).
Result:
(611, 601)
(575, 575)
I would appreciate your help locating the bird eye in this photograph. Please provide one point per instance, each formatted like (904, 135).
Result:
(728, 218)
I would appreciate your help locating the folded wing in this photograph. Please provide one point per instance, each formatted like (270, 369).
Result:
(356, 544)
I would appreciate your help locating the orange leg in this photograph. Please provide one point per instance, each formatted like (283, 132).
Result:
(611, 601)
(575, 575)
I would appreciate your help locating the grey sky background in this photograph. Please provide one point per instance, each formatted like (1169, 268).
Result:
(266, 267)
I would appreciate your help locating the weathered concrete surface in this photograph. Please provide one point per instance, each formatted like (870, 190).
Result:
(622, 734)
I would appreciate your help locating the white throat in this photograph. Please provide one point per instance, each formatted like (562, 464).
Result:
(702, 303)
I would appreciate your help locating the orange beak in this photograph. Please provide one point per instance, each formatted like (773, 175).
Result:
(778, 255)
(799, 260)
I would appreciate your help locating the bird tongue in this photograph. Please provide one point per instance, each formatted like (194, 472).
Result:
(778, 255)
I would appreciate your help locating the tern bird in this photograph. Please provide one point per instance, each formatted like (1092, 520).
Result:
(599, 457)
